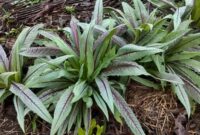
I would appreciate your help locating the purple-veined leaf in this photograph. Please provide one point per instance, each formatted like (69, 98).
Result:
(75, 33)
(105, 91)
(86, 48)
(40, 51)
(4, 63)
(182, 96)
(119, 68)
(63, 127)
(49, 96)
(192, 90)
(73, 116)
(19, 107)
(133, 52)
(140, 10)
(80, 90)
(62, 110)
(102, 46)
(169, 77)
(121, 29)
(31, 101)
(181, 93)
(127, 113)
(101, 104)
(115, 39)
(33, 32)
(98, 12)
(130, 14)
(59, 42)
(87, 117)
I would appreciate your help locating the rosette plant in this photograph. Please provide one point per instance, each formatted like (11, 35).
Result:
(76, 75)
(80, 76)
(12, 74)
(11, 68)
(178, 63)
(85, 68)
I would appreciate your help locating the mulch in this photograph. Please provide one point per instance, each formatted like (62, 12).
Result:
(159, 112)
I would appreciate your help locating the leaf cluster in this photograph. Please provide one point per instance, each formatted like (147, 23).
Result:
(69, 78)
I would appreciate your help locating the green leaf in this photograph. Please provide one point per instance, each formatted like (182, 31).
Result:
(87, 114)
(2, 92)
(119, 68)
(169, 77)
(115, 39)
(127, 114)
(184, 55)
(182, 96)
(192, 90)
(80, 90)
(75, 33)
(62, 110)
(140, 10)
(63, 127)
(180, 91)
(101, 104)
(6, 77)
(33, 32)
(145, 82)
(102, 46)
(105, 91)
(16, 59)
(19, 107)
(195, 12)
(40, 51)
(86, 49)
(4, 63)
(106, 60)
(73, 116)
(31, 101)
(49, 96)
(98, 12)
(177, 17)
(59, 42)
(133, 52)
(130, 14)
(171, 40)
(188, 41)
(155, 35)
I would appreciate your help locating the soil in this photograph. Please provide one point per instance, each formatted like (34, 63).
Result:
(159, 112)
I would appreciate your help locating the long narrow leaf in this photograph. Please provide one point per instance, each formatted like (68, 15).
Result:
(62, 110)
(31, 101)
(19, 107)
(104, 88)
(127, 114)
(4, 63)
(98, 12)
(124, 69)
(40, 51)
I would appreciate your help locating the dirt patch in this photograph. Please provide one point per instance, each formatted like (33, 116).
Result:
(193, 125)
(156, 110)
(9, 124)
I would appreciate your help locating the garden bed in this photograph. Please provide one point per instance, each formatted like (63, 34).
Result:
(159, 112)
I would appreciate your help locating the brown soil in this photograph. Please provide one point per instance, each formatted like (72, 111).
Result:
(159, 112)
